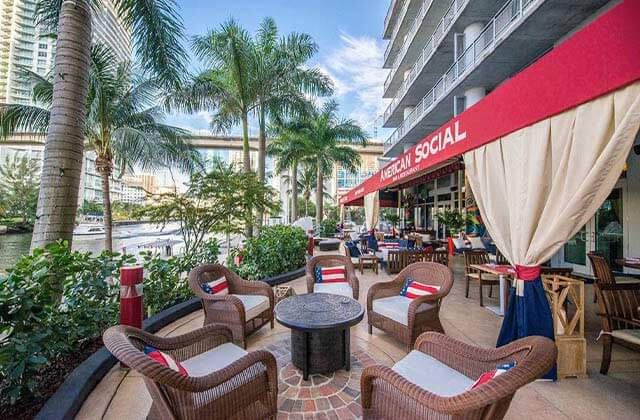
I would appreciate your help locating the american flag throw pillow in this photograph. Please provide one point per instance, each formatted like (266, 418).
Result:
(413, 289)
(216, 287)
(165, 360)
(337, 274)
(487, 376)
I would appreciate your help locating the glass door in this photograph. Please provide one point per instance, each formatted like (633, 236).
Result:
(603, 234)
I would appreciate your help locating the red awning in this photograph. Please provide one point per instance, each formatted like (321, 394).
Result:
(602, 57)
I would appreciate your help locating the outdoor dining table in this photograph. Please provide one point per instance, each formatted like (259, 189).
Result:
(503, 272)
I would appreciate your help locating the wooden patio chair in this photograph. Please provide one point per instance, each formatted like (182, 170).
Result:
(471, 274)
(435, 380)
(501, 259)
(406, 318)
(619, 311)
(440, 257)
(247, 307)
(604, 274)
(222, 380)
(351, 288)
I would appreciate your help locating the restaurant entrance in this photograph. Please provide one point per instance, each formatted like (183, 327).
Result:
(604, 234)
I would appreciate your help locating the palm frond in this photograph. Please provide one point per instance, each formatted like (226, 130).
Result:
(22, 118)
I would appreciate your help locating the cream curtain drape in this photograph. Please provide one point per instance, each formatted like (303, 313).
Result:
(538, 186)
(371, 209)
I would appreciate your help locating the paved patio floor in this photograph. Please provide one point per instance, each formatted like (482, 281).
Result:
(122, 394)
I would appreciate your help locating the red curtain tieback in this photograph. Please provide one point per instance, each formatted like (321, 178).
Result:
(527, 272)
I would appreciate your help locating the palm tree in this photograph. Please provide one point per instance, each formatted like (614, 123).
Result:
(329, 138)
(157, 31)
(306, 184)
(122, 125)
(289, 148)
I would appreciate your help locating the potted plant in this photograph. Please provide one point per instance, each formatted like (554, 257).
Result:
(453, 220)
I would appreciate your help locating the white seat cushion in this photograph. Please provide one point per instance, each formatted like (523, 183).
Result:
(632, 336)
(397, 308)
(459, 243)
(253, 305)
(476, 242)
(214, 359)
(333, 288)
(432, 375)
(355, 260)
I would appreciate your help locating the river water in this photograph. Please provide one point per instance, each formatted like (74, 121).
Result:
(13, 246)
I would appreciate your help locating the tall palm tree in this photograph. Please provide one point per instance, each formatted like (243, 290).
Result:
(121, 127)
(306, 185)
(289, 148)
(329, 138)
(157, 31)
(283, 80)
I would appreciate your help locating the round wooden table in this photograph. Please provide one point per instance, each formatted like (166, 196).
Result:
(320, 324)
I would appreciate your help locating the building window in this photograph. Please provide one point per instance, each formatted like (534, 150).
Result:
(42, 53)
(42, 46)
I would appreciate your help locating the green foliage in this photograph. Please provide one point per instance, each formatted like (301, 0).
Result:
(306, 207)
(91, 208)
(391, 216)
(19, 183)
(278, 249)
(54, 300)
(453, 220)
(219, 201)
(126, 211)
(50, 303)
(328, 227)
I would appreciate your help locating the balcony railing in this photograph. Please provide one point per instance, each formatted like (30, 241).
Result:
(396, 28)
(445, 24)
(511, 13)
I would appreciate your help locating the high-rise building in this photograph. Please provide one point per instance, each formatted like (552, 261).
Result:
(444, 56)
(25, 45)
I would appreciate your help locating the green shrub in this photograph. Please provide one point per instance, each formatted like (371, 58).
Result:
(278, 249)
(328, 227)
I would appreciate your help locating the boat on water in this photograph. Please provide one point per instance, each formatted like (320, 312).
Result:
(86, 229)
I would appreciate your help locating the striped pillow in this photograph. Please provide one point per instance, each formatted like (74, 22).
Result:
(165, 360)
(216, 287)
(487, 376)
(337, 274)
(413, 289)
(392, 245)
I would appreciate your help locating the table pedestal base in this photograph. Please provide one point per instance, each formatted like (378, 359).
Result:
(321, 351)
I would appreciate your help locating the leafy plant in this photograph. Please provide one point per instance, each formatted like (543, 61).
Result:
(391, 216)
(328, 227)
(278, 249)
(453, 220)
(19, 182)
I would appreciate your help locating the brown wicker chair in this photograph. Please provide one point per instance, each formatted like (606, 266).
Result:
(332, 261)
(229, 309)
(419, 318)
(245, 388)
(471, 274)
(388, 395)
(619, 310)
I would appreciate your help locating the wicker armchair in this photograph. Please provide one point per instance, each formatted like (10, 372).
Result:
(471, 274)
(387, 394)
(619, 310)
(422, 314)
(239, 310)
(332, 261)
(229, 384)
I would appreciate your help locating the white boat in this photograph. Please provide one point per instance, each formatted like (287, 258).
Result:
(85, 229)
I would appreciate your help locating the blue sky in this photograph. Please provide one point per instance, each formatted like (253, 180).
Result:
(348, 34)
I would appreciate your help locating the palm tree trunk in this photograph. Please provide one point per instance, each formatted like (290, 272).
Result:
(246, 154)
(105, 173)
(294, 191)
(262, 144)
(319, 195)
(62, 163)
(246, 163)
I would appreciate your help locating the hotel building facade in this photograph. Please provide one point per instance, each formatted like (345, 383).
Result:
(443, 57)
(25, 45)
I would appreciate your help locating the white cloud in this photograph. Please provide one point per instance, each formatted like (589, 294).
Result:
(356, 70)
